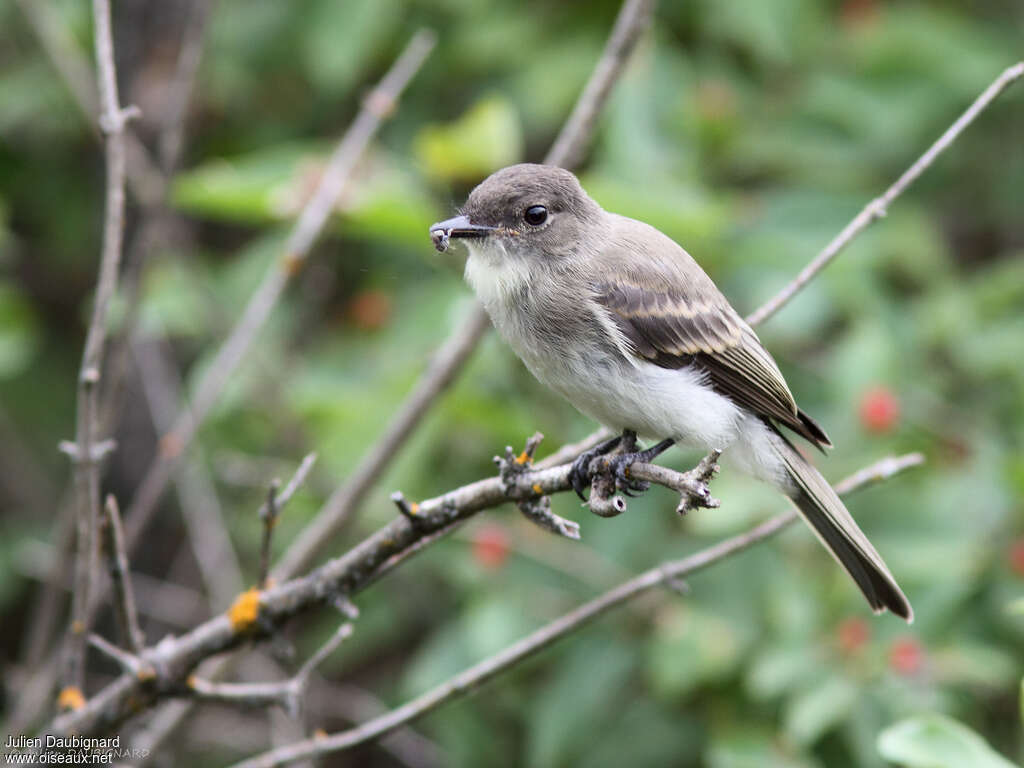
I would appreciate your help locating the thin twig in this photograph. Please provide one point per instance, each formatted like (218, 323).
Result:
(378, 105)
(406, 745)
(286, 694)
(435, 380)
(269, 511)
(124, 595)
(86, 462)
(574, 137)
(666, 573)
(268, 516)
(878, 207)
(127, 661)
(178, 92)
(201, 510)
(145, 179)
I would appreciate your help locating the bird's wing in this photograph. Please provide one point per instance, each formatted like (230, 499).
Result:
(675, 322)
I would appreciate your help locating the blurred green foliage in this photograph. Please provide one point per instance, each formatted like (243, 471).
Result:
(751, 131)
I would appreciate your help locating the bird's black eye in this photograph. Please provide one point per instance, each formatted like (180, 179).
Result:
(536, 215)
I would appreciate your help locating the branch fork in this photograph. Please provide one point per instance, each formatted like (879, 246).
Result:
(113, 123)
(528, 496)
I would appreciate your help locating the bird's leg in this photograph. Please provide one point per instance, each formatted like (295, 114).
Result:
(579, 475)
(619, 464)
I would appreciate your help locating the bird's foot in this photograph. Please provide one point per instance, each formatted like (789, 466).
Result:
(620, 464)
(580, 475)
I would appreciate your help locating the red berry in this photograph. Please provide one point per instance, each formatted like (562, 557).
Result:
(853, 633)
(906, 656)
(1016, 557)
(370, 310)
(853, 12)
(490, 546)
(879, 410)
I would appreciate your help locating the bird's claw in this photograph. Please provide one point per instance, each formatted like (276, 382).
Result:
(619, 467)
(580, 476)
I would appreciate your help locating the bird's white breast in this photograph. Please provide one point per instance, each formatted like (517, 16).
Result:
(573, 348)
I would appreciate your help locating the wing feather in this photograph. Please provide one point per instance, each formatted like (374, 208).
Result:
(673, 328)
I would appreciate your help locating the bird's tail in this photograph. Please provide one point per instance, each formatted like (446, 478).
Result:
(838, 531)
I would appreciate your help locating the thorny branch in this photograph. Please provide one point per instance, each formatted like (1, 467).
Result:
(464, 682)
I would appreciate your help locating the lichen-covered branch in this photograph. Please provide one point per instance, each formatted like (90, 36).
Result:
(259, 614)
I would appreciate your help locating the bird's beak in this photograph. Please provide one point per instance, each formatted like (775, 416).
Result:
(460, 226)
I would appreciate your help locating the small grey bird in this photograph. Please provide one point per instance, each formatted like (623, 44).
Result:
(622, 322)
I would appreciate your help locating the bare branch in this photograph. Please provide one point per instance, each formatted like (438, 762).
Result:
(124, 595)
(447, 362)
(268, 516)
(537, 509)
(201, 510)
(307, 229)
(178, 92)
(275, 503)
(293, 485)
(127, 661)
(286, 694)
(575, 136)
(455, 351)
(668, 573)
(73, 68)
(337, 579)
(86, 463)
(878, 207)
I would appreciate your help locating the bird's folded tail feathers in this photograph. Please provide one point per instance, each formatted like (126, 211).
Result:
(838, 531)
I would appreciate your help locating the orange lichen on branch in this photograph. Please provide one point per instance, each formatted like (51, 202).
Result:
(523, 458)
(145, 673)
(70, 699)
(537, 489)
(292, 263)
(245, 610)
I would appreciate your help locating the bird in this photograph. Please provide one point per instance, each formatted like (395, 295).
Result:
(621, 321)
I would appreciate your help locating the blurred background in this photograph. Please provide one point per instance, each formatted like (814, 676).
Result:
(750, 131)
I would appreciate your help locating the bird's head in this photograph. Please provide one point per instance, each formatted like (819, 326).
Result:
(522, 212)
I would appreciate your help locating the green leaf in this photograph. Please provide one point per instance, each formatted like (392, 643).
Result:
(937, 741)
(690, 648)
(577, 698)
(777, 671)
(750, 747)
(487, 137)
(816, 711)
